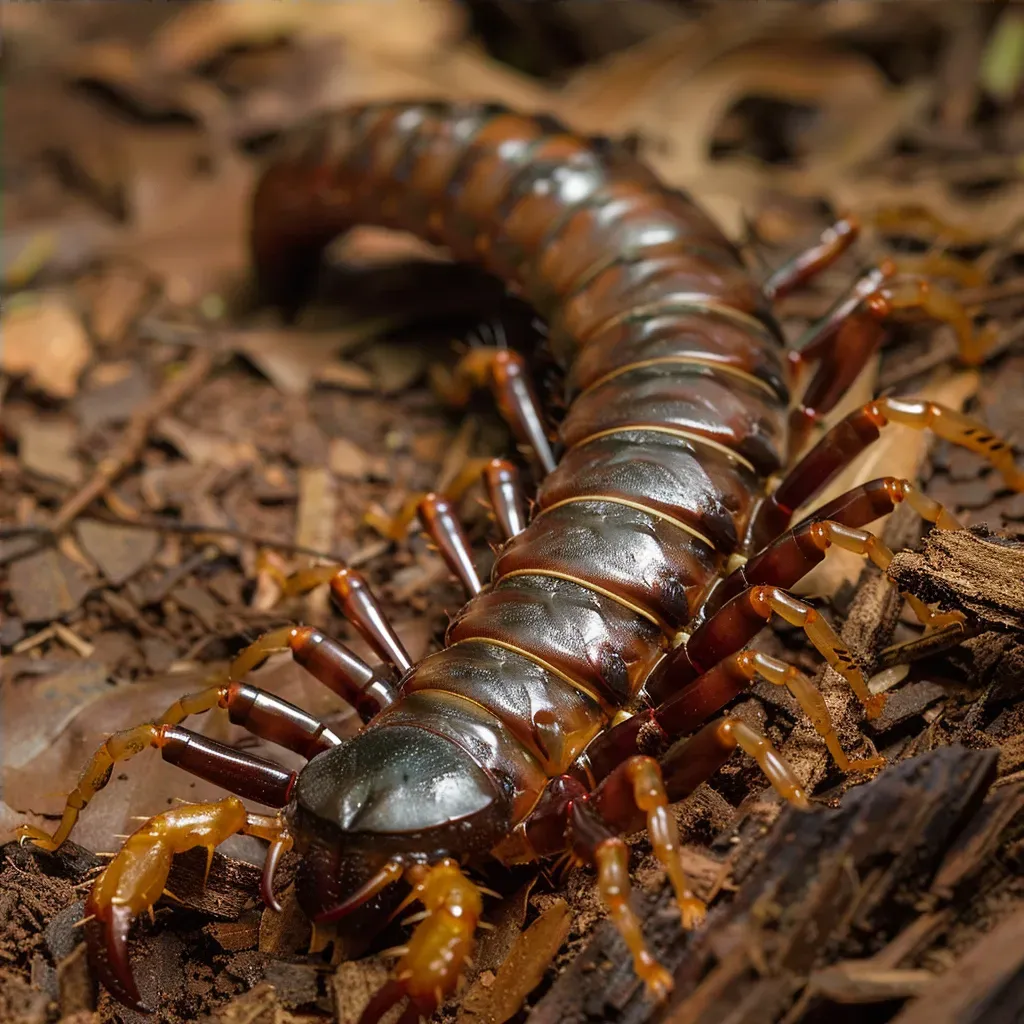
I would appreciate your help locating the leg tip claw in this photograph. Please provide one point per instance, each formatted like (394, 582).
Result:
(106, 937)
(658, 981)
(692, 912)
(37, 837)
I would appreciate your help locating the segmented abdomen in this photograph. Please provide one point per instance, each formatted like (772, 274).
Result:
(676, 390)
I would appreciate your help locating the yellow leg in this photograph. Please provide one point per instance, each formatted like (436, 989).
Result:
(122, 746)
(754, 664)
(136, 878)
(914, 293)
(768, 600)
(612, 860)
(952, 426)
(650, 796)
(439, 949)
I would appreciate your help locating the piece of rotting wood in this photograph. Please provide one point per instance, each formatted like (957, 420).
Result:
(829, 887)
(985, 986)
(978, 571)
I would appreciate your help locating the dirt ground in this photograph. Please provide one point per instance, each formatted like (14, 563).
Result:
(169, 450)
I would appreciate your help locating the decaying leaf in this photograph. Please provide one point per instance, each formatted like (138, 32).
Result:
(43, 339)
(416, 28)
(46, 446)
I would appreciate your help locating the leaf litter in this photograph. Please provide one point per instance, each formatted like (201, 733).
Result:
(131, 581)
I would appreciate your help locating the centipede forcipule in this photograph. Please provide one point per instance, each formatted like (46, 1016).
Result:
(616, 619)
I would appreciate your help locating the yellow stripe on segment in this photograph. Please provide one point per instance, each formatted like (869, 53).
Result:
(614, 500)
(656, 428)
(699, 302)
(681, 361)
(552, 574)
(606, 707)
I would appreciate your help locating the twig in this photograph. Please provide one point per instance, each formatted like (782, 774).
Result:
(199, 364)
(363, 555)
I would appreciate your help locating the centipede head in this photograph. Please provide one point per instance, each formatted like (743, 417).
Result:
(390, 797)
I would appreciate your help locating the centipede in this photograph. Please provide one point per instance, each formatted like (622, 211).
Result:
(580, 690)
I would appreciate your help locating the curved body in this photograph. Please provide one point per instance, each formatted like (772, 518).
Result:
(677, 405)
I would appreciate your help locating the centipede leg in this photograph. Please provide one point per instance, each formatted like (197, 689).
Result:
(443, 527)
(737, 622)
(683, 712)
(685, 767)
(637, 785)
(135, 879)
(259, 712)
(436, 954)
(505, 372)
(594, 842)
(805, 265)
(795, 553)
(506, 496)
(855, 433)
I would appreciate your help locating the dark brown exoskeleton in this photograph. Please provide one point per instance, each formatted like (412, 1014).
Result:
(616, 620)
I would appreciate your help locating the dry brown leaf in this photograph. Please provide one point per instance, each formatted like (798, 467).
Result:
(43, 339)
(46, 586)
(345, 375)
(293, 359)
(119, 551)
(602, 96)
(47, 447)
(521, 973)
(202, 448)
(415, 28)
(347, 460)
(61, 695)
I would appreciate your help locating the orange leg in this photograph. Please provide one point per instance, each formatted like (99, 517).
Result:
(439, 949)
(505, 372)
(593, 842)
(135, 879)
(834, 242)
(261, 713)
(850, 436)
(685, 767)
(637, 785)
(737, 622)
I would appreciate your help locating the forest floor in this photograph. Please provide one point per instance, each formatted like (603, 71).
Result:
(169, 450)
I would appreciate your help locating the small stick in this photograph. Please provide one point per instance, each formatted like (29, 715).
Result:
(199, 364)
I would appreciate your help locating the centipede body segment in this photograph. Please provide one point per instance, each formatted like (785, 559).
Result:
(617, 616)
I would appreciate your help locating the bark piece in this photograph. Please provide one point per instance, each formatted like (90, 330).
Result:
(828, 886)
(979, 571)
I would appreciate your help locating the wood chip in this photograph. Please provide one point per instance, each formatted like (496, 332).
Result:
(317, 507)
(972, 991)
(114, 398)
(978, 570)
(521, 973)
(348, 460)
(345, 375)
